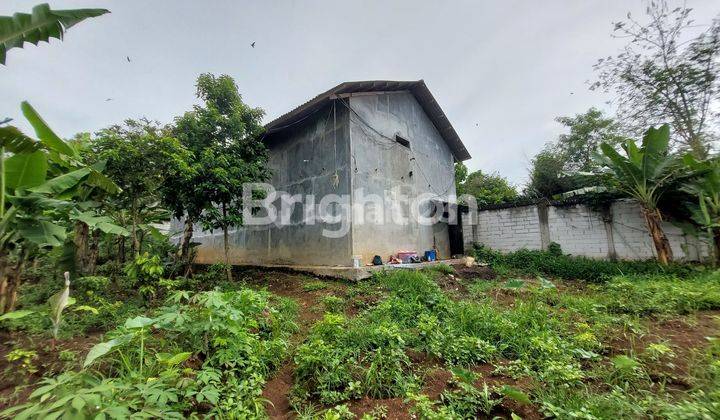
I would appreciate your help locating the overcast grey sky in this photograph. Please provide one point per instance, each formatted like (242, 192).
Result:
(501, 70)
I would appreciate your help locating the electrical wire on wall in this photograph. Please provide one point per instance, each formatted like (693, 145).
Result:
(335, 182)
(393, 143)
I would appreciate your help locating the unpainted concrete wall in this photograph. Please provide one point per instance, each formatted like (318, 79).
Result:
(620, 232)
(304, 160)
(380, 165)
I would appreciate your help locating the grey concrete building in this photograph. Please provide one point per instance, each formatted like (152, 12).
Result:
(388, 138)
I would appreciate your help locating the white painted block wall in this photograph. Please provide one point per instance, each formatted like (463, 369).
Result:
(579, 230)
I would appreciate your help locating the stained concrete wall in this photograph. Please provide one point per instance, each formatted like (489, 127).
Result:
(380, 164)
(619, 232)
(304, 160)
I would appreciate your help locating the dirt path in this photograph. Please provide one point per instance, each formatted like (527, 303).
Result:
(297, 287)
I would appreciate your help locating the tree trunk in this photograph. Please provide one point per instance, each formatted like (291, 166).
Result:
(228, 268)
(141, 239)
(121, 250)
(716, 246)
(134, 235)
(81, 246)
(662, 245)
(3, 281)
(14, 284)
(186, 239)
(93, 252)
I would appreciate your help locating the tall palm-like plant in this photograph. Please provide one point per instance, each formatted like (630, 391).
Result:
(705, 186)
(39, 181)
(644, 173)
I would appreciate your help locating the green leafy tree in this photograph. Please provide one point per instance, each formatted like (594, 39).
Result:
(40, 25)
(665, 76)
(488, 188)
(552, 170)
(546, 175)
(587, 131)
(224, 135)
(644, 173)
(461, 173)
(141, 157)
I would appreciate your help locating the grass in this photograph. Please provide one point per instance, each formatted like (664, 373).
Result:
(556, 264)
(313, 285)
(518, 343)
(554, 339)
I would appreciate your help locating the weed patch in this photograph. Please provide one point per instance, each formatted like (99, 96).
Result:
(555, 264)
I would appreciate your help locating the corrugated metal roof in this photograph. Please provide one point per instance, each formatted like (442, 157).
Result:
(417, 88)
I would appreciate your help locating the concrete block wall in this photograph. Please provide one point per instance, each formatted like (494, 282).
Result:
(632, 241)
(507, 229)
(579, 230)
(618, 232)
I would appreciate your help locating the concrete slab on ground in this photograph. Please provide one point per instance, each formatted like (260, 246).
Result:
(355, 274)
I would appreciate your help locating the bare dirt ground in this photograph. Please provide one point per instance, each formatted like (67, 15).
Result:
(17, 383)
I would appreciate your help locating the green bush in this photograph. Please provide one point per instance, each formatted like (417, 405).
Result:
(234, 339)
(333, 304)
(646, 295)
(91, 285)
(211, 277)
(555, 264)
(314, 285)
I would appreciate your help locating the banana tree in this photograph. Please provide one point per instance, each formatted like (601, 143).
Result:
(644, 173)
(37, 184)
(705, 186)
(40, 25)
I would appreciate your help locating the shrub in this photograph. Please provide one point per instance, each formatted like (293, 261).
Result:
(333, 304)
(314, 285)
(555, 264)
(213, 276)
(554, 249)
(235, 339)
(466, 350)
(91, 285)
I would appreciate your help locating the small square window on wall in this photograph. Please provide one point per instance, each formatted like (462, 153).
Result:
(403, 141)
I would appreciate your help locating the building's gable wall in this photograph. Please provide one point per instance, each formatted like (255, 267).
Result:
(379, 165)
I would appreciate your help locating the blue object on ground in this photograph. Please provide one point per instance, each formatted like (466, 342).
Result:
(431, 255)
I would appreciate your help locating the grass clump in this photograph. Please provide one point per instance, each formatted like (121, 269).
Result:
(554, 263)
(440, 268)
(314, 285)
(333, 304)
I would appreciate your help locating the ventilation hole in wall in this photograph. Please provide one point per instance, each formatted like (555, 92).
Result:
(402, 141)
